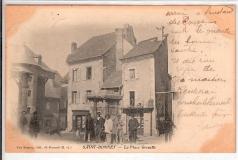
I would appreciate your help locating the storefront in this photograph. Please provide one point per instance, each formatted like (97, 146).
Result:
(79, 119)
(105, 103)
(144, 117)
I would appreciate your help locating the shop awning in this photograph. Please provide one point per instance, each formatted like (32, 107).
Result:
(101, 97)
(80, 112)
(131, 110)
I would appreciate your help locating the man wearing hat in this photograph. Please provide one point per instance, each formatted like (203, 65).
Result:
(133, 125)
(99, 127)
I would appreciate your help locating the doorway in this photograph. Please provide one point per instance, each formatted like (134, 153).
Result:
(140, 119)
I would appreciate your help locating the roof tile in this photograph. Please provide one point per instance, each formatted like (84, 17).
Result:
(94, 47)
(144, 47)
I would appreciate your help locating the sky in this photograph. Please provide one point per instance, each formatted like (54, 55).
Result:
(51, 30)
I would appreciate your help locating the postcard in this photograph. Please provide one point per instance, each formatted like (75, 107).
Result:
(120, 78)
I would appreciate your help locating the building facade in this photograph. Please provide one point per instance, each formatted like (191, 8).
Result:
(31, 75)
(113, 74)
(146, 85)
(40, 89)
(95, 75)
(55, 109)
(138, 91)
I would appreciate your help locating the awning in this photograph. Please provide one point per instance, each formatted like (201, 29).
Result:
(101, 97)
(80, 112)
(21, 69)
(132, 110)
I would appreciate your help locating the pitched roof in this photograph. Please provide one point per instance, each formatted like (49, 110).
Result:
(27, 56)
(144, 47)
(94, 47)
(113, 81)
(66, 78)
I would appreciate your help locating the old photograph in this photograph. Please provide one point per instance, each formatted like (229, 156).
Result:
(120, 78)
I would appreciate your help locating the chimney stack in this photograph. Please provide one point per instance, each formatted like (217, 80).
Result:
(73, 47)
(125, 39)
(38, 59)
(129, 34)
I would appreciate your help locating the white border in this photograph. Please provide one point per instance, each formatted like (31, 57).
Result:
(122, 2)
(105, 156)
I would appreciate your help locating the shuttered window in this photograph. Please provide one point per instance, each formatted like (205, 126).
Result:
(88, 73)
(74, 76)
(132, 74)
(74, 97)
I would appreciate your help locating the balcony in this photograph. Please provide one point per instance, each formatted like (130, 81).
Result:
(104, 95)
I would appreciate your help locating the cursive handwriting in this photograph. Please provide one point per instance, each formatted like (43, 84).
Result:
(205, 101)
(221, 10)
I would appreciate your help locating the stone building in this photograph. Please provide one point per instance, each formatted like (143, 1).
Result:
(31, 75)
(40, 88)
(95, 75)
(146, 84)
(55, 110)
(113, 74)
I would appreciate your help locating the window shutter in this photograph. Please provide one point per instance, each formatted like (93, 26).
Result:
(83, 73)
(74, 74)
(78, 97)
(78, 74)
(85, 97)
(136, 98)
(92, 72)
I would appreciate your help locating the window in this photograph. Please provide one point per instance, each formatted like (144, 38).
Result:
(132, 73)
(74, 97)
(75, 75)
(78, 74)
(88, 92)
(132, 98)
(47, 106)
(29, 93)
(88, 73)
(78, 100)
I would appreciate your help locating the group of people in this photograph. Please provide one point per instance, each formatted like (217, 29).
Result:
(109, 130)
(29, 123)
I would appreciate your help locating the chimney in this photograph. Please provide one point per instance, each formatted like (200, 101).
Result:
(124, 36)
(119, 47)
(38, 59)
(129, 34)
(73, 47)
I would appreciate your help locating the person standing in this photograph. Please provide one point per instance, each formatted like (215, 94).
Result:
(169, 126)
(99, 127)
(114, 130)
(89, 128)
(23, 122)
(55, 127)
(28, 118)
(108, 128)
(133, 125)
(120, 134)
(34, 125)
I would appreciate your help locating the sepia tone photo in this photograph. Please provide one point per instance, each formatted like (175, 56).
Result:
(120, 78)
